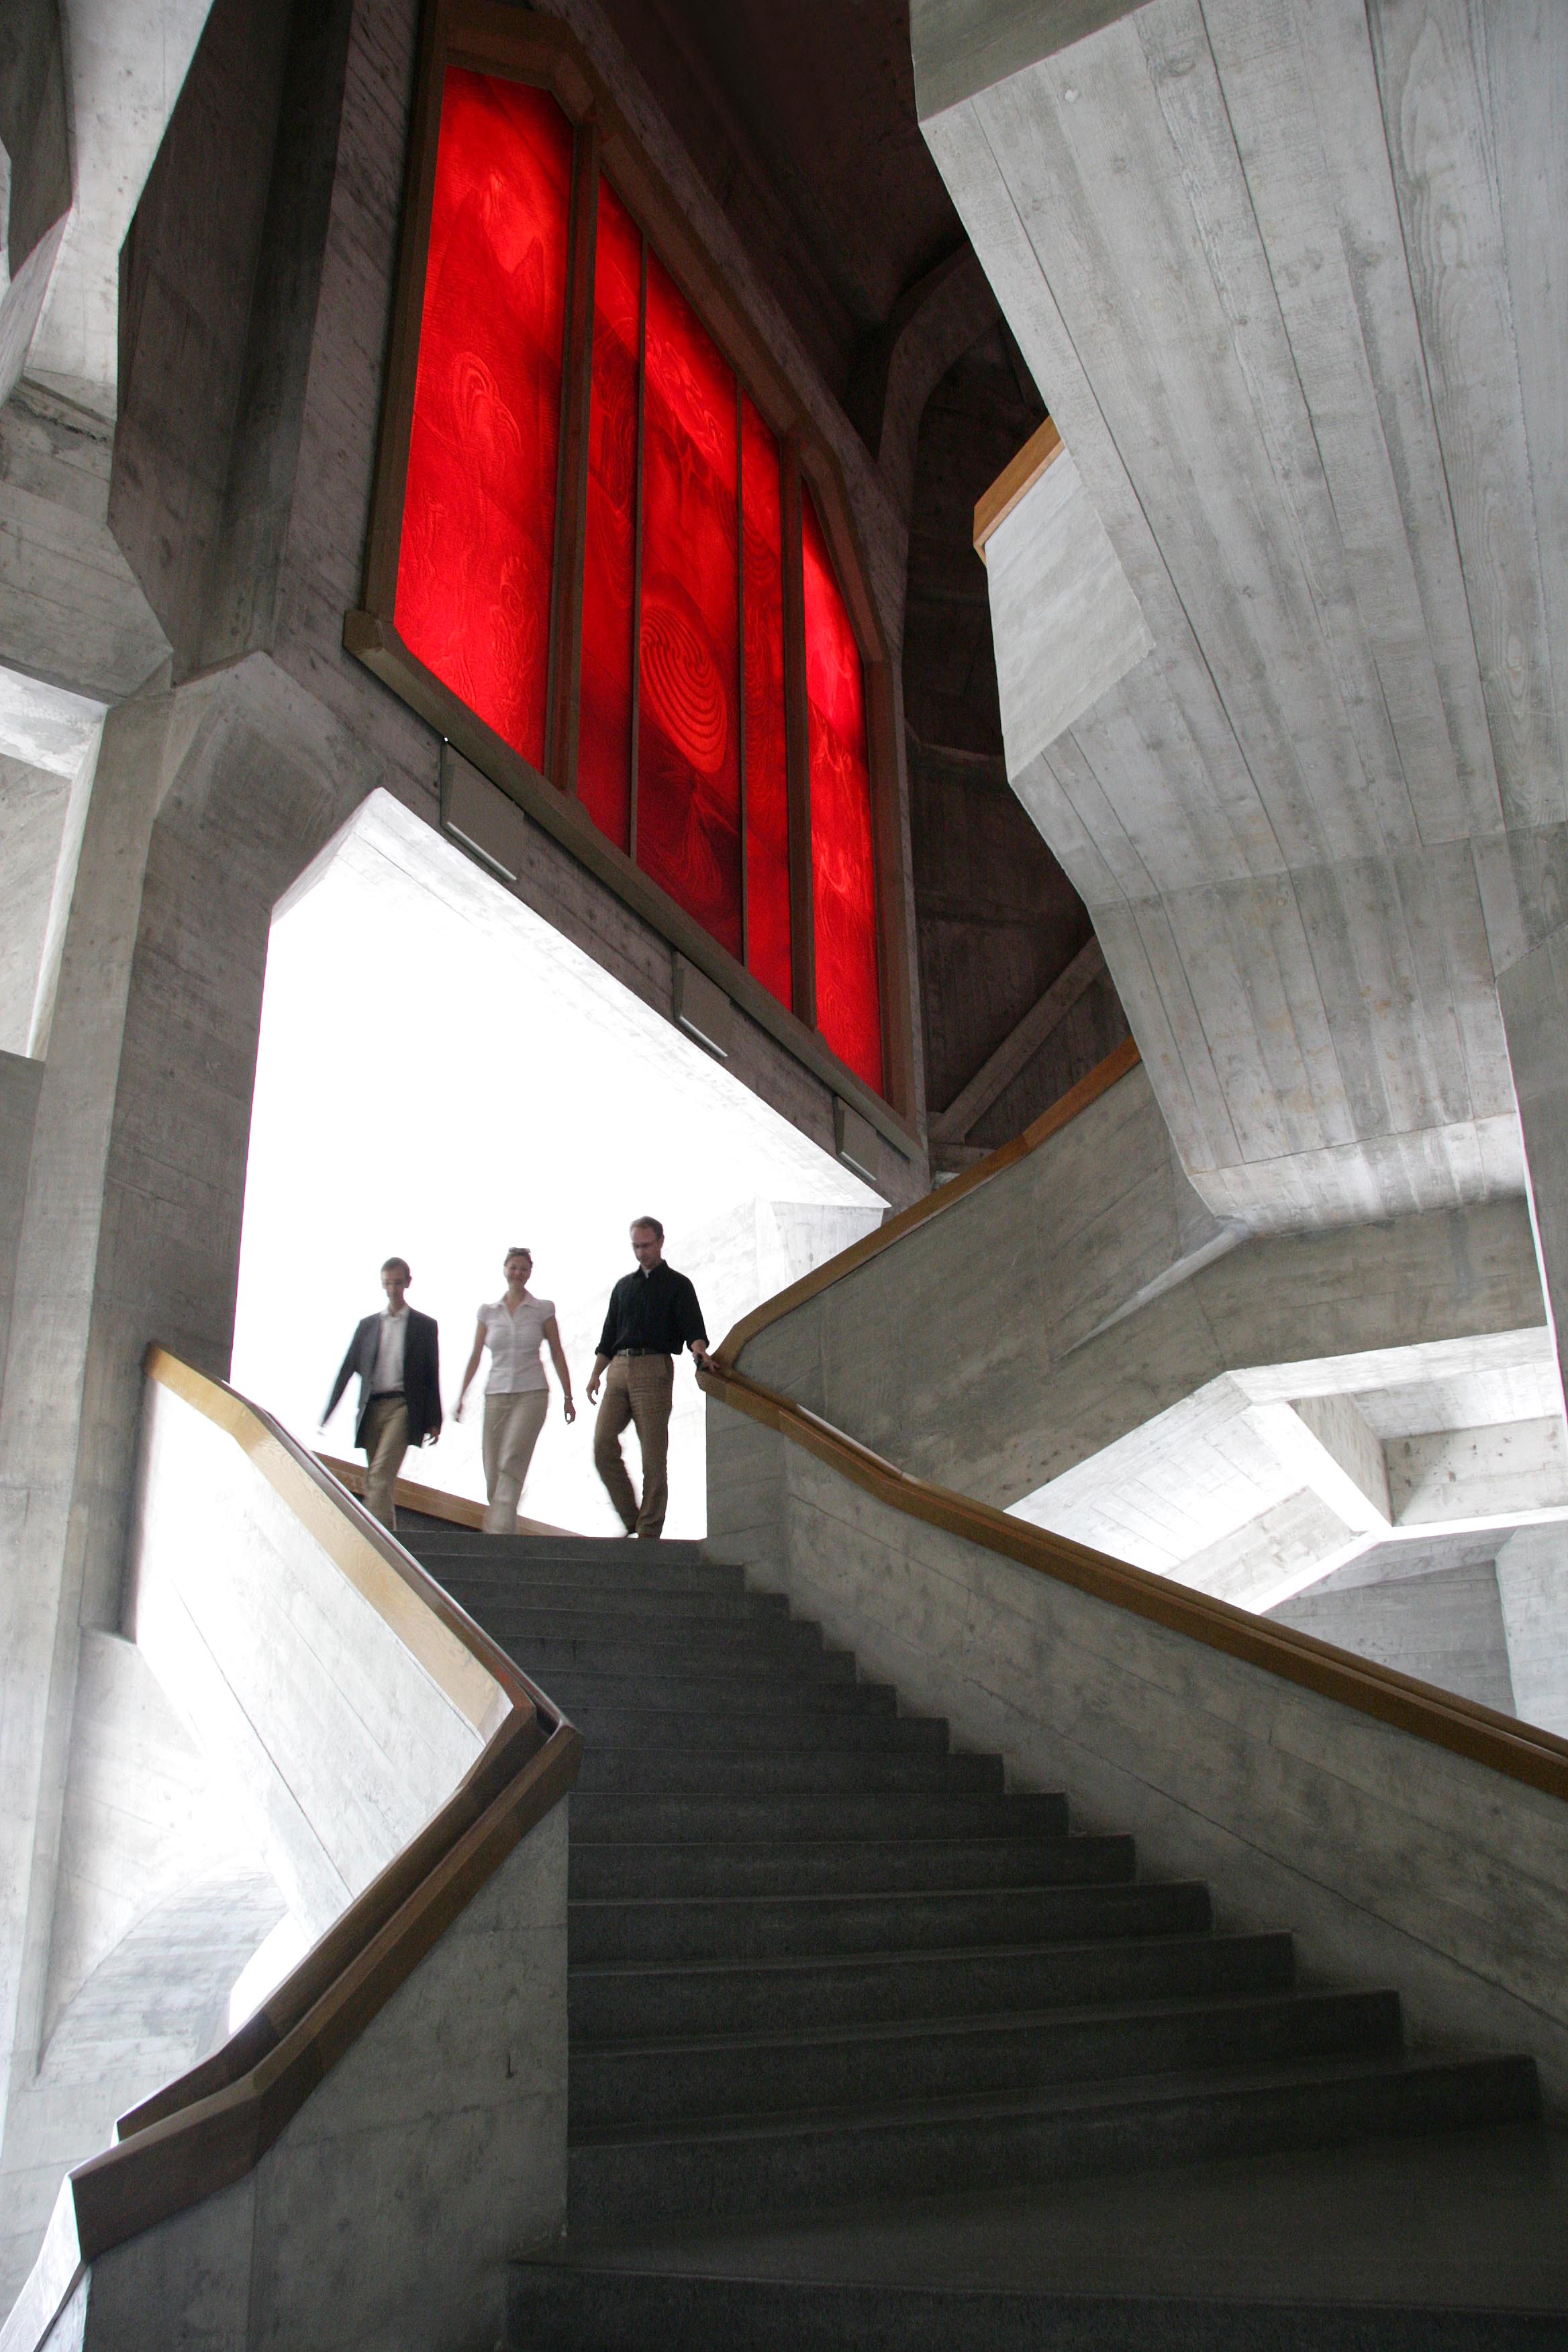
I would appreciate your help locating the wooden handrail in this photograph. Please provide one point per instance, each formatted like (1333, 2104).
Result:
(1076, 1100)
(212, 2125)
(1501, 1742)
(1015, 482)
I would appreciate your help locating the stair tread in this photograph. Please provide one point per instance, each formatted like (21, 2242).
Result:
(921, 1955)
(1082, 2097)
(1054, 1890)
(988, 2021)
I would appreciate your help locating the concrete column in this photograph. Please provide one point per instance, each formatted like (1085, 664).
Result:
(1533, 1586)
(207, 802)
(48, 1347)
(19, 1083)
(1533, 993)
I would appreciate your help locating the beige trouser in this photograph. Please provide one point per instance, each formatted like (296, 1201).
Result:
(636, 1389)
(385, 1440)
(512, 1424)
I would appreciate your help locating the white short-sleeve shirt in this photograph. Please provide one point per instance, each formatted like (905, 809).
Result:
(513, 1340)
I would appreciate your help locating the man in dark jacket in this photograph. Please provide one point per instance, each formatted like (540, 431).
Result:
(396, 1356)
(653, 1314)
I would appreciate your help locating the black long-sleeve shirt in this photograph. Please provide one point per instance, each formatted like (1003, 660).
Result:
(657, 1309)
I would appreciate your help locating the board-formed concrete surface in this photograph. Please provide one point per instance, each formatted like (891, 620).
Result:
(443, 2124)
(1291, 289)
(1393, 1860)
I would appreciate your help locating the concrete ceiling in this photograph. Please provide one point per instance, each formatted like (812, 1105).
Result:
(803, 120)
(1274, 1476)
(1291, 280)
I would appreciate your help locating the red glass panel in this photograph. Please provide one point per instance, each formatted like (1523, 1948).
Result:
(767, 780)
(478, 518)
(843, 861)
(609, 558)
(688, 765)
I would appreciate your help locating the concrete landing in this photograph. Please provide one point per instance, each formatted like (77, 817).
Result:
(1471, 2222)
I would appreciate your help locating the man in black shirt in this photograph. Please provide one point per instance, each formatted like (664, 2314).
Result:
(653, 1314)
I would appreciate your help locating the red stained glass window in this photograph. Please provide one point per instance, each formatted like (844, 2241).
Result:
(843, 861)
(689, 736)
(767, 777)
(477, 554)
(609, 554)
(687, 648)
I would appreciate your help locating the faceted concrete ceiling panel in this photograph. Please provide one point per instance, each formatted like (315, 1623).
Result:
(1291, 283)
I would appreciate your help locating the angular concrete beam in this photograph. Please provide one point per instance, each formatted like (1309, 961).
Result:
(1294, 306)
(1327, 1442)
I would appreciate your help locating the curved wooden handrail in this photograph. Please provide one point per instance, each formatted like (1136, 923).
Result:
(1520, 1750)
(1076, 1100)
(211, 2126)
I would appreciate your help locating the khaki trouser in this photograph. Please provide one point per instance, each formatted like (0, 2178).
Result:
(385, 1440)
(512, 1424)
(638, 1388)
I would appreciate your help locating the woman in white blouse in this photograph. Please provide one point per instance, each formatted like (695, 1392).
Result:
(517, 1394)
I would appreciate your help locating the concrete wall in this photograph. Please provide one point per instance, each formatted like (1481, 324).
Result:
(1086, 1289)
(331, 1732)
(19, 1082)
(162, 1903)
(1532, 1588)
(1392, 1860)
(32, 820)
(385, 2212)
(1297, 308)
(1444, 1626)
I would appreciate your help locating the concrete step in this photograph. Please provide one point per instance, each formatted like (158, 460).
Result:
(758, 2075)
(636, 2002)
(640, 1816)
(564, 2305)
(480, 1550)
(593, 1583)
(585, 1696)
(796, 1663)
(662, 2176)
(798, 1771)
(661, 1640)
(845, 1865)
(636, 1606)
(756, 1928)
(663, 1728)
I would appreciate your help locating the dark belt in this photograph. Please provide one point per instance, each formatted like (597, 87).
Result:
(382, 1396)
(645, 1351)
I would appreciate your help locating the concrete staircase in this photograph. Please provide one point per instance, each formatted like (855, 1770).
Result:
(818, 1959)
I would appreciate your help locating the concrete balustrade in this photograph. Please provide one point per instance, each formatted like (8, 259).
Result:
(386, 2210)
(359, 2161)
(1394, 1859)
(340, 1728)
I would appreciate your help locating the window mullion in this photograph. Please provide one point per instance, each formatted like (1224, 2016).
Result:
(572, 500)
(797, 745)
(636, 560)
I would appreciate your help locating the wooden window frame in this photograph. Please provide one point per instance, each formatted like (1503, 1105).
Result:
(491, 38)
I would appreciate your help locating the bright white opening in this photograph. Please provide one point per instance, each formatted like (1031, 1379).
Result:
(266, 1969)
(442, 1075)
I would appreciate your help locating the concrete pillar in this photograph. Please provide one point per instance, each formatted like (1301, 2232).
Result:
(207, 801)
(1533, 1586)
(1533, 993)
(19, 1083)
(47, 1354)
